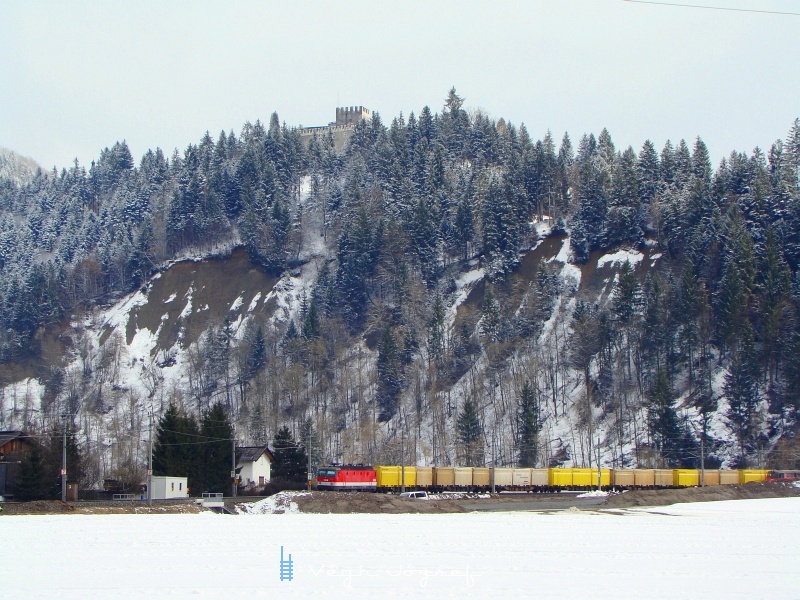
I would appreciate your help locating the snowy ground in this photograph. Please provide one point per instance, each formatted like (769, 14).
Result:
(721, 550)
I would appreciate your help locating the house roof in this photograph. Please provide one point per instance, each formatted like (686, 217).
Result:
(252, 454)
(7, 436)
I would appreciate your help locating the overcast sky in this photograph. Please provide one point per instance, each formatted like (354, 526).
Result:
(77, 76)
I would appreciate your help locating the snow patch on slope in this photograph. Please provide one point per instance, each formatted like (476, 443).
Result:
(619, 258)
(280, 503)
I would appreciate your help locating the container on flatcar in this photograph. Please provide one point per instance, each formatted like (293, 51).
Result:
(728, 477)
(560, 477)
(584, 477)
(539, 478)
(463, 477)
(623, 478)
(644, 477)
(521, 478)
(504, 477)
(709, 477)
(481, 477)
(587, 478)
(389, 476)
(444, 477)
(664, 477)
(752, 475)
(424, 477)
(685, 477)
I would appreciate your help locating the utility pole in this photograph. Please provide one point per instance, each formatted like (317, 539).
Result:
(493, 461)
(64, 463)
(308, 451)
(402, 460)
(599, 472)
(233, 463)
(150, 464)
(702, 434)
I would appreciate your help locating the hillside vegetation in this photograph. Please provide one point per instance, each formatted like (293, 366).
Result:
(447, 290)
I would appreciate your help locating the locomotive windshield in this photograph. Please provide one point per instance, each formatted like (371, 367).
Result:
(327, 473)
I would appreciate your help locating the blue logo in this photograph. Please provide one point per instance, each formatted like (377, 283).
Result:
(287, 567)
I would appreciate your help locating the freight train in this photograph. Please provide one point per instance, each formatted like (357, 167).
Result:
(388, 478)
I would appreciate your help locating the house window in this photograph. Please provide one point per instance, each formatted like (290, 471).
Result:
(180, 486)
(173, 486)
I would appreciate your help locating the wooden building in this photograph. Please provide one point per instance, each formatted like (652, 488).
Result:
(14, 445)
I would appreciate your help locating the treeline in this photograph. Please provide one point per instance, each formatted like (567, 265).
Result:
(400, 212)
(204, 452)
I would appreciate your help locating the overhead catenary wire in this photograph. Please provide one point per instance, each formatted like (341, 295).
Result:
(722, 8)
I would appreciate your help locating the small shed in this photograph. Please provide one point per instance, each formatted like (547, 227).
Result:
(169, 487)
(253, 464)
(14, 445)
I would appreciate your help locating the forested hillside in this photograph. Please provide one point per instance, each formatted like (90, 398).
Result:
(448, 285)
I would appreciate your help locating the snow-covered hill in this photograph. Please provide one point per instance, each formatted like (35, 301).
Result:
(15, 168)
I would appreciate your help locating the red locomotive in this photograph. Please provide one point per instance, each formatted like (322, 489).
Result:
(360, 478)
(783, 476)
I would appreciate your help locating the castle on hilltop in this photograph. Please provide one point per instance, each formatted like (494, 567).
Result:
(341, 129)
(350, 115)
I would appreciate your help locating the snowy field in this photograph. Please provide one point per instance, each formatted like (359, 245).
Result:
(721, 550)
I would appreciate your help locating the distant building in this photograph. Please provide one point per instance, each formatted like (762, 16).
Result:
(253, 465)
(169, 487)
(341, 130)
(351, 115)
(14, 445)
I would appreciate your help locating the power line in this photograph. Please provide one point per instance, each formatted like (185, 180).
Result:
(723, 8)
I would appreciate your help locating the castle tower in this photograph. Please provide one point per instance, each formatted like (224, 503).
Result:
(350, 115)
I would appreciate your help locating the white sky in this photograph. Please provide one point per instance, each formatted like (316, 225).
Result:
(77, 76)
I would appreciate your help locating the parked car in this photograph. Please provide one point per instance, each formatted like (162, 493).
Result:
(414, 495)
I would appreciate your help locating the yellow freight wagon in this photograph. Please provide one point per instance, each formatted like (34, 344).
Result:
(685, 477)
(390, 476)
(424, 476)
(463, 476)
(709, 477)
(644, 477)
(728, 477)
(560, 477)
(503, 477)
(588, 477)
(539, 477)
(481, 477)
(623, 477)
(748, 475)
(444, 477)
(664, 477)
(521, 478)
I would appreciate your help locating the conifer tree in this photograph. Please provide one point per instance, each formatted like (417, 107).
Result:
(741, 390)
(216, 431)
(291, 460)
(177, 446)
(470, 434)
(528, 426)
(34, 482)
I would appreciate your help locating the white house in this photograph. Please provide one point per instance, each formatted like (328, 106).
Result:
(253, 465)
(169, 487)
